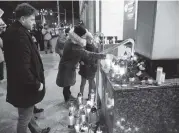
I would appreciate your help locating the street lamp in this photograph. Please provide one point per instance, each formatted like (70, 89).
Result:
(51, 13)
(43, 12)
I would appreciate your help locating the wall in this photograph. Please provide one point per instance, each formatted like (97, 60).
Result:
(90, 16)
(166, 39)
(145, 27)
(87, 15)
(112, 18)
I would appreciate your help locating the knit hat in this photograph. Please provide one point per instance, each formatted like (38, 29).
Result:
(79, 30)
(67, 30)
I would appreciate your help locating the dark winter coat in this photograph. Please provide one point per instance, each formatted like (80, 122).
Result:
(73, 52)
(89, 68)
(25, 70)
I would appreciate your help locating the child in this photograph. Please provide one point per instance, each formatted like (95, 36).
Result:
(88, 68)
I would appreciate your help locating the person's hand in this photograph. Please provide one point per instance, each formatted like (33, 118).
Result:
(102, 56)
(41, 87)
(82, 63)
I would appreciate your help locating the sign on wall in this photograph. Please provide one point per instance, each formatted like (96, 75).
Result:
(2, 24)
(129, 9)
(130, 19)
(1, 12)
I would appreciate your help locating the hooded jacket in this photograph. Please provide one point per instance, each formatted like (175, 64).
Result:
(73, 52)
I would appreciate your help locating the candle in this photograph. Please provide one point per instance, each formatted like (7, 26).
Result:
(98, 131)
(163, 77)
(83, 117)
(150, 81)
(71, 120)
(122, 70)
(72, 108)
(88, 109)
(80, 98)
(84, 127)
(159, 74)
(88, 102)
(77, 128)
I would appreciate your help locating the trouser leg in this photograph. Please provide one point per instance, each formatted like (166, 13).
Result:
(34, 128)
(1, 70)
(26, 119)
(66, 93)
(46, 46)
(82, 85)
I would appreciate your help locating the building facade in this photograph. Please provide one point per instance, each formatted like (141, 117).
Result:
(98, 16)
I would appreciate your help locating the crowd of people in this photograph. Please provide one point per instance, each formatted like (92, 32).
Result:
(74, 46)
(42, 36)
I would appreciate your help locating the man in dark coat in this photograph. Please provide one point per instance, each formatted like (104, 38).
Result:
(25, 72)
(73, 52)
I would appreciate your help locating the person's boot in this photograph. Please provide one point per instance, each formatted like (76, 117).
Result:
(36, 110)
(46, 130)
(72, 98)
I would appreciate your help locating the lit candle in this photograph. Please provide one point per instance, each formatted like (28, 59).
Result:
(122, 71)
(83, 117)
(81, 107)
(72, 108)
(71, 120)
(88, 109)
(77, 128)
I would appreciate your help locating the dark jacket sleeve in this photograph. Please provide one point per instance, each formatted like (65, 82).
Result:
(87, 55)
(23, 59)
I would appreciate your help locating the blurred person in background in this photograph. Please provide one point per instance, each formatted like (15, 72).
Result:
(47, 38)
(61, 41)
(40, 38)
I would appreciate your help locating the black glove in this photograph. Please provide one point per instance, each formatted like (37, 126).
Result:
(102, 56)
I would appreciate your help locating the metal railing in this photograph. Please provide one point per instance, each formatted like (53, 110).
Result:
(119, 44)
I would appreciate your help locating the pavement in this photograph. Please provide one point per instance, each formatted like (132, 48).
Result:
(55, 114)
